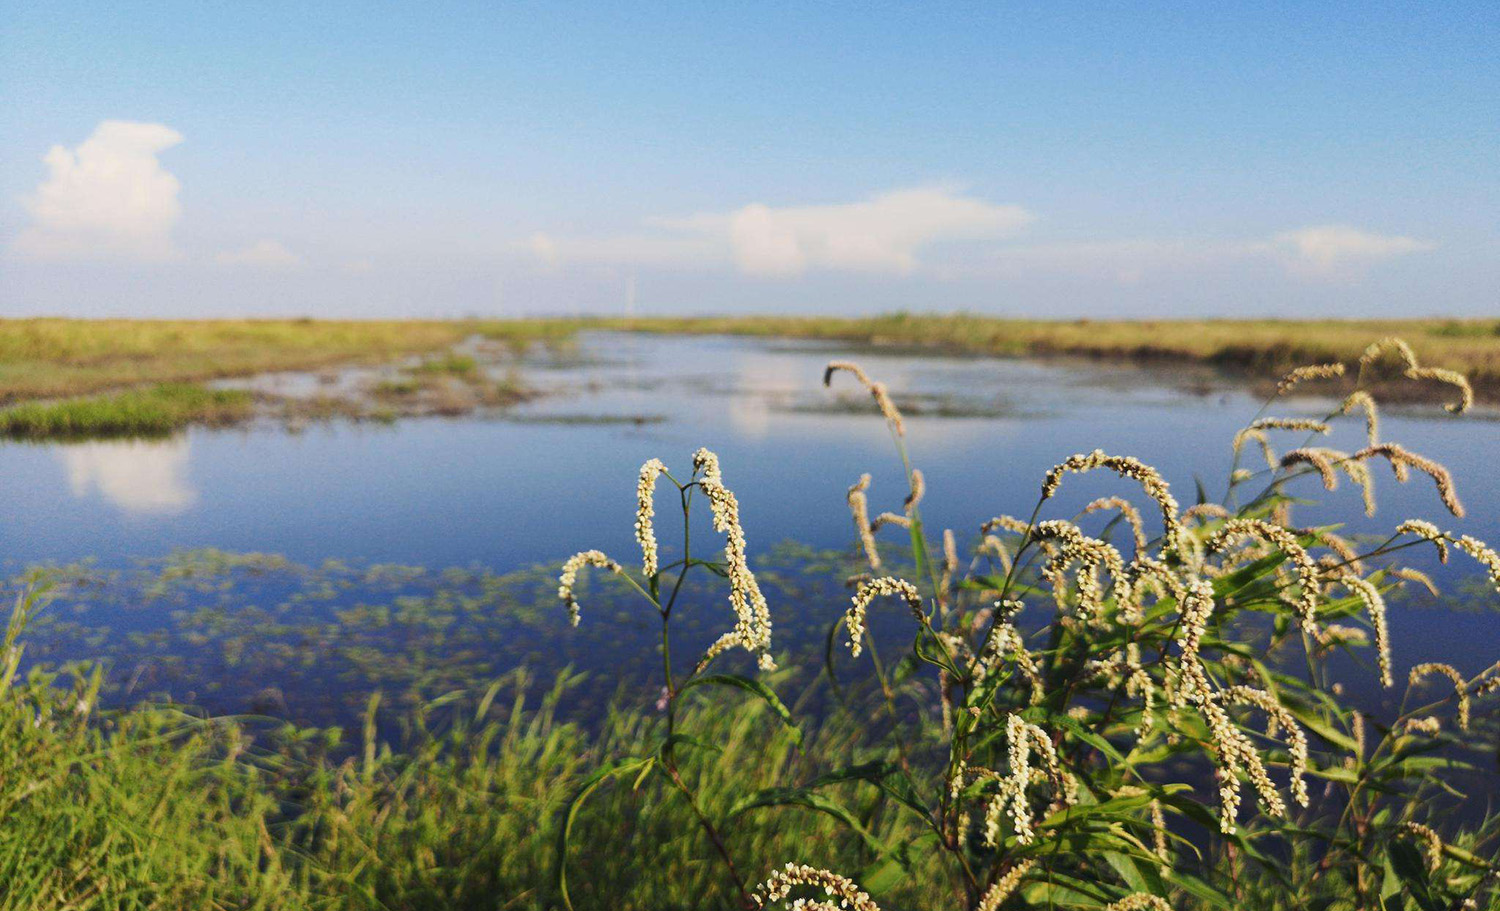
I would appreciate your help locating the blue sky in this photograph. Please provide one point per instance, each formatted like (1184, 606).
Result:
(1048, 159)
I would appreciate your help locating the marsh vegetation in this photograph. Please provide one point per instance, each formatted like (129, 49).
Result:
(1191, 706)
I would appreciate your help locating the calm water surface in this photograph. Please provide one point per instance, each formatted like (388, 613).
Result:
(558, 476)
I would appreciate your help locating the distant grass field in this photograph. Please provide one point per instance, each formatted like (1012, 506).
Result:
(1262, 348)
(53, 358)
(59, 358)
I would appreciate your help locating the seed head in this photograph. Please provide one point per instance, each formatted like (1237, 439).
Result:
(569, 577)
(753, 617)
(1401, 459)
(877, 392)
(1005, 885)
(1126, 467)
(844, 891)
(645, 509)
(854, 618)
(1460, 690)
(1452, 378)
(1362, 399)
(1139, 901)
(859, 508)
(1286, 541)
(1130, 514)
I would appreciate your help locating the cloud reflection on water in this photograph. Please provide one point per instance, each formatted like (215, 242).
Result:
(137, 476)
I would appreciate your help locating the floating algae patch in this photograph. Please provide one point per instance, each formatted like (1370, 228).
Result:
(587, 419)
(932, 406)
(220, 630)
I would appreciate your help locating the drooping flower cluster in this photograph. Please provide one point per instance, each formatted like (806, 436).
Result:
(1452, 378)
(1459, 687)
(645, 509)
(918, 490)
(1298, 424)
(1309, 372)
(1374, 603)
(1091, 554)
(1130, 514)
(1286, 541)
(1022, 738)
(877, 391)
(569, 577)
(1362, 399)
(1280, 719)
(996, 895)
(859, 509)
(752, 630)
(1485, 555)
(1126, 467)
(1235, 754)
(1139, 901)
(1431, 841)
(1005, 643)
(847, 895)
(868, 591)
(1402, 460)
(1413, 370)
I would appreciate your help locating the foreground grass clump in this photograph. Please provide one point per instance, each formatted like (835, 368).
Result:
(1264, 348)
(454, 804)
(154, 411)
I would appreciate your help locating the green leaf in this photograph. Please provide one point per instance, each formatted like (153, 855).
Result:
(755, 688)
(590, 784)
(812, 800)
(1411, 869)
(887, 776)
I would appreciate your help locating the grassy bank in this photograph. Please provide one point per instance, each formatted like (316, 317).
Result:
(153, 411)
(53, 358)
(1263, 348)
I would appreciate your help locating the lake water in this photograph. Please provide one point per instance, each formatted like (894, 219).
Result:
(558, 474)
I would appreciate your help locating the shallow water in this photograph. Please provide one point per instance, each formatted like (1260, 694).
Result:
(559, 474)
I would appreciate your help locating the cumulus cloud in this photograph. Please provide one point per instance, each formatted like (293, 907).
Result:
(266, 254)
(108, 199)
(1316, 252)
(884, 235)
(1331, 248)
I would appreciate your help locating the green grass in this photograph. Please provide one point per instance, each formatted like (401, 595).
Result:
(150, 412)
(453, 805)
(53, 358)
(450, 364)
(1263, 348)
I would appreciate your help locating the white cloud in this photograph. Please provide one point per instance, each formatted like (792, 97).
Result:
(1318, 252)
(267, 253)
(884, 234)
(1332, 248)
(107, 199)
(136, 476)
(544, 248)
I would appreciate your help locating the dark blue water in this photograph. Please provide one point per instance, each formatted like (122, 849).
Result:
(510, 493)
